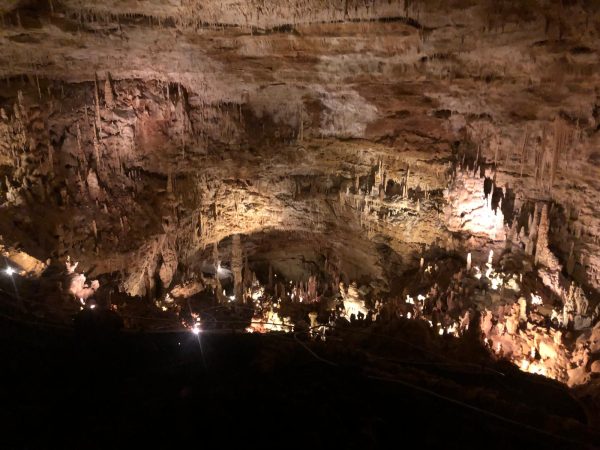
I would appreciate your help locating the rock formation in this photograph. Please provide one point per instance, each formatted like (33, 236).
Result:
(271, 152)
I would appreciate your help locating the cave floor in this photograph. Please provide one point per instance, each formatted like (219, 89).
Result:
(274, 390)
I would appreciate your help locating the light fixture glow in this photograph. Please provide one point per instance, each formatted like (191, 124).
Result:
(536, 299)
(9, 271)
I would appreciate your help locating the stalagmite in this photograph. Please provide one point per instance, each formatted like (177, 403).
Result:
(543, 255)
(236, 267)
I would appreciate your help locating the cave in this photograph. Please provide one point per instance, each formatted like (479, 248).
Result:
(305, 223)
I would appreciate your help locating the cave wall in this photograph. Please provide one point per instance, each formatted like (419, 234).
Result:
(134, 135)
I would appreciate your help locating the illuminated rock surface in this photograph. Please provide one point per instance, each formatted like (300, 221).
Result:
(302, 166)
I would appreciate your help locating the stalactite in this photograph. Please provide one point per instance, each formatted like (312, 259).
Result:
(37, 84)
(533, 231)
(523, 150)
(80, 154)
(571, 259)
(496, 145)
(50, 156)
(405, 188)
(169, 187)
(109, 98)
(215, 255)
(512, 236)
(96, 148)
(301, 124)
(97, 103)
(20, 112)
(560, 143)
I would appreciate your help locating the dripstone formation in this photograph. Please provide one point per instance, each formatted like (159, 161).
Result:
(309, 162)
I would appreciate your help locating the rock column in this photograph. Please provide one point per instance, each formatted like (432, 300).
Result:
(236, 267)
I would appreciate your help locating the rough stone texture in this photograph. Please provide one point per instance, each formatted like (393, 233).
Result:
(270, 119)
(169, 147)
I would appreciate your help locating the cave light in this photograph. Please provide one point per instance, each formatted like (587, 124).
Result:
(536, 299)
(452, 330)
(259, 293)
(496, 282)
(537, 369)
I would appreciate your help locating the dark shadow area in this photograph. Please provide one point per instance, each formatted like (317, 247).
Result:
(368, 388)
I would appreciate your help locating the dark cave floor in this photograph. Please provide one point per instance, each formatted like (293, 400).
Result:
(384, 386)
